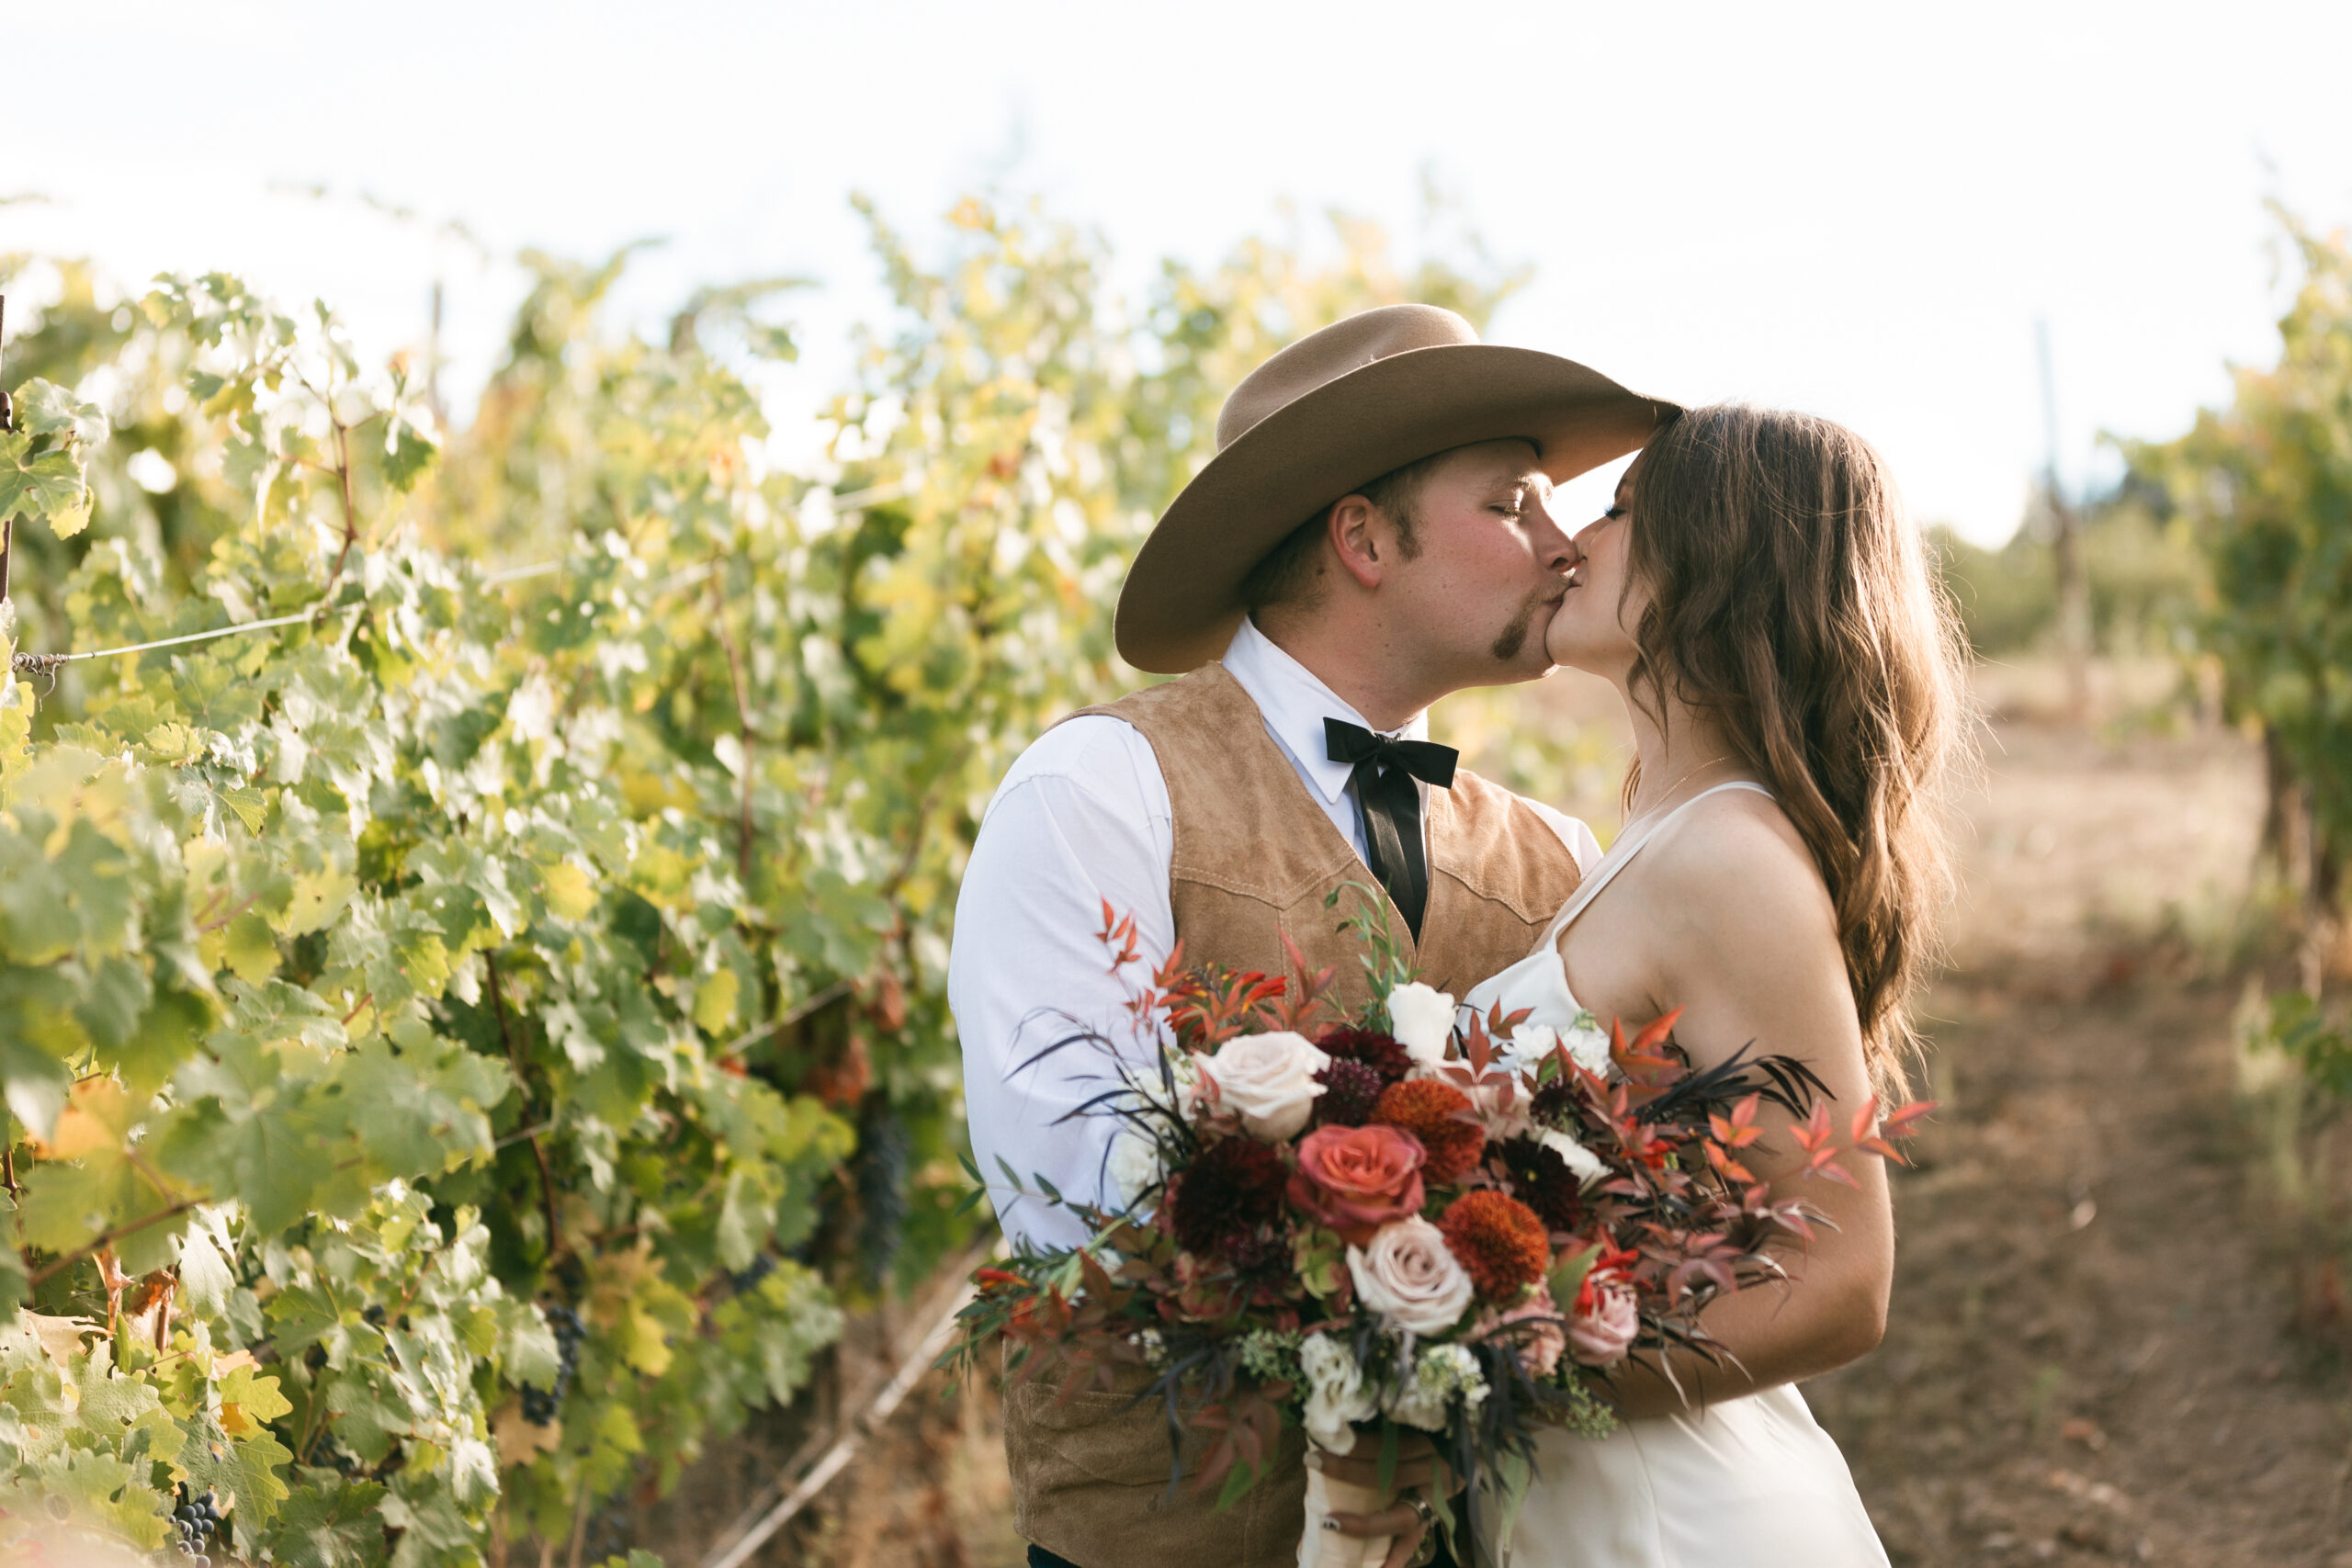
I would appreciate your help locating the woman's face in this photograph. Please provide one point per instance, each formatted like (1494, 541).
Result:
(1592, 630)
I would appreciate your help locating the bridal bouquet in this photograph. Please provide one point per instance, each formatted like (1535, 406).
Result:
(1400, 1221)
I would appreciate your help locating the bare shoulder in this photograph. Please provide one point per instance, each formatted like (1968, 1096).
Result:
(1734, 867)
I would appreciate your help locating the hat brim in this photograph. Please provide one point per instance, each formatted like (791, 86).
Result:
(1180, 604)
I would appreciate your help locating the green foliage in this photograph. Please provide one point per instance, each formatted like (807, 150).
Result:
(2142, 569)
(553, 915)
(355, 1005)
(2267, 486)
(2320, 1048)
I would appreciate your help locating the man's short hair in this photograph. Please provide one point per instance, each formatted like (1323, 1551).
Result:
(1287, 574)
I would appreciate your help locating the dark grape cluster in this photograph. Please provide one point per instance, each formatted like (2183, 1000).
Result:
(883, 1151)
(747, 1279)
(197, 1522)
(540, 1405)
(610, 1531)
(335, 1457)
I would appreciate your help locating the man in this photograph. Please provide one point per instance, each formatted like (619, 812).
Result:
(1371, 535)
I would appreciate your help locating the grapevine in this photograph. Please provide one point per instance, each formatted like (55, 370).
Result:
(446, 962)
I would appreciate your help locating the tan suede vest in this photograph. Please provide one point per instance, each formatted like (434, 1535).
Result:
(1255, 856)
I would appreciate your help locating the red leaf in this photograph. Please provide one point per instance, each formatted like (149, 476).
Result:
(1899, 1124)
(1816, 1133)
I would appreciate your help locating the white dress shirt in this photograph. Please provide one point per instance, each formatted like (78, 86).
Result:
(1082, 819)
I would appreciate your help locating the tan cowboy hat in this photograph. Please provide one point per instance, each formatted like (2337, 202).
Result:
(1337, 409)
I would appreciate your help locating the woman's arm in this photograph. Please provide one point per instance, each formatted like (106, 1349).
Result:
(1736, 928)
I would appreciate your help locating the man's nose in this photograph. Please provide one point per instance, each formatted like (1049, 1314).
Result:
(1558, 551)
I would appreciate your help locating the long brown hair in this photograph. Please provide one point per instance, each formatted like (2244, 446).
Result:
(1791, 601)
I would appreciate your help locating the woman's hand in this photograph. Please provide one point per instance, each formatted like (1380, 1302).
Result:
(1419, 1472)
(1401, 1520)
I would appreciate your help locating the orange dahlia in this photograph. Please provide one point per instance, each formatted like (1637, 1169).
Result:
(1437, 1114)
(1498, 1240)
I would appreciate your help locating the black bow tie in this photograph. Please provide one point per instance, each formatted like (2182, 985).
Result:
(1355, 745)
(1384, 775)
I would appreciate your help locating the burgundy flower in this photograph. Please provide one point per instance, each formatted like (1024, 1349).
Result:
(1544, 1183)
(1555, 1105)
(1228, 1191)
(1350, 1089)
(1382, 1053)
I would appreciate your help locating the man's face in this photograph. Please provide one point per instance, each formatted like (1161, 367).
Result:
(1471, 607)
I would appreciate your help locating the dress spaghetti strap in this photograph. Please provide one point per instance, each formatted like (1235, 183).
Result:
(1613, 862)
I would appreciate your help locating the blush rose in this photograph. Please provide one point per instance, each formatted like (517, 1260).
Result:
(1356, 1180)
(1270, 1079)
(1409, 1279)
(1540, 1344)
(1603, 1327)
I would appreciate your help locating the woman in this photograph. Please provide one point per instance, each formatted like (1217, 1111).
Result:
(1793, 677)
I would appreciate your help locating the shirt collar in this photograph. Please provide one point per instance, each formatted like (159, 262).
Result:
(1294, 702)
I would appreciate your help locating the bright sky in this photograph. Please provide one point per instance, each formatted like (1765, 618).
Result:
(1855, 209)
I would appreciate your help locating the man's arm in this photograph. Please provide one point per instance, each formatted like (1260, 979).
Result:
(1080, 819)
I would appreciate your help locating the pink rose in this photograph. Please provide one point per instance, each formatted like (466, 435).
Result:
(1356, 1180)
(1540, 1344)
(1603, 1327)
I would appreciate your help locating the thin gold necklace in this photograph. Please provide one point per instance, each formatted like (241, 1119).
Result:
(1679, 780)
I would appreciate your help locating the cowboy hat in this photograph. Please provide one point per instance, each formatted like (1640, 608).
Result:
(1337, 409)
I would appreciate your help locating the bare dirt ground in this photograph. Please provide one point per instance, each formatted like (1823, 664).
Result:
(2092, 1356)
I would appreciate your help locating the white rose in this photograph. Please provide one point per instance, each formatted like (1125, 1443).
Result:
(1422, 1021)
(1528, 1046)
(1442, 1373)
(1410, 1277)
(1270, 1079)
(1589, 1045)
(1133, 1166)
(1336, 1395)
(1586, 1164)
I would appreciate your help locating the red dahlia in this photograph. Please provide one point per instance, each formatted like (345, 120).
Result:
(1379, 1052)
(1498, 1240)
(1437, 1114)
(1234, 1187)
(1544, 1183)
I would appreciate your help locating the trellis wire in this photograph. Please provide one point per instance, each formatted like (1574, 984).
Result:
(48, 664)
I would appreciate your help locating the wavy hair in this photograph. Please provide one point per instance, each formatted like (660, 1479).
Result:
(1791, 600)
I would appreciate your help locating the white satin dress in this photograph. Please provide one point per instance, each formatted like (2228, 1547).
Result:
(1749, 1483)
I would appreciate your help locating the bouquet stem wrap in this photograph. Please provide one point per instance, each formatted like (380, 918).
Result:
(1320, 1548)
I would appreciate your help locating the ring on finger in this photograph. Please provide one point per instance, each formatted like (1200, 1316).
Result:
(1427, 1516)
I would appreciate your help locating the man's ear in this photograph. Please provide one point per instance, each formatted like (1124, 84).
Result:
(1361, 538)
